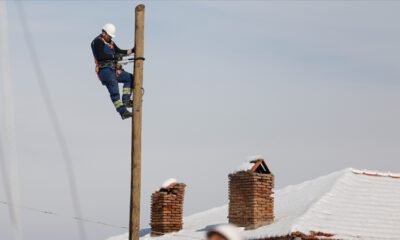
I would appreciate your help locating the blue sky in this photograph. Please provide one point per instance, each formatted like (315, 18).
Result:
(312, 86)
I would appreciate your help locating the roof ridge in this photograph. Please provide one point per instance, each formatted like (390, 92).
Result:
(375, 173)
(343, 172)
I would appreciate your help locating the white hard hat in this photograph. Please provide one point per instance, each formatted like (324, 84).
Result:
(229, 231)
(110, 29)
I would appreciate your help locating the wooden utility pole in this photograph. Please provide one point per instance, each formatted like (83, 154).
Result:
(134, 220)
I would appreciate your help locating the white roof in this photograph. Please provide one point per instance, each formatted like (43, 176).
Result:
(351, 204)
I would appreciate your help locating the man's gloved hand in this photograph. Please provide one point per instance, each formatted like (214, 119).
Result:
(131, 51)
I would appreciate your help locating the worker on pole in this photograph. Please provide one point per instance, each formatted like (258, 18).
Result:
(107, 54)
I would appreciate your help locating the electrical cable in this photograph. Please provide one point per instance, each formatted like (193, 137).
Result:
(53, 117)
(8, 156)
(96, 222)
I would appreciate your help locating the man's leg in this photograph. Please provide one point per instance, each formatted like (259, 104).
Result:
(127, 79)
(109, 79)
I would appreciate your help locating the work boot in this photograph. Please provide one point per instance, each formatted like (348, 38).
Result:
(128, 103)
(126, 114)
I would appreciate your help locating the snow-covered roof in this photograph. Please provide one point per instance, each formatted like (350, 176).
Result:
(350, 204)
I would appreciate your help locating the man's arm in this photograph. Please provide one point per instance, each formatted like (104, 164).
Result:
(125, 52)
(98, 51)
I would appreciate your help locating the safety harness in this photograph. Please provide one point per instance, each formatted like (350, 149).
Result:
(107, 63)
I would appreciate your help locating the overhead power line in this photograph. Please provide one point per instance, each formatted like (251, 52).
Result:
(101, 223)
(64, 216)
(7, 189)
(8, 156)
(53, 117)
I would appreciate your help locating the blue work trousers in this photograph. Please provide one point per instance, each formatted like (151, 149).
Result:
(110, 79)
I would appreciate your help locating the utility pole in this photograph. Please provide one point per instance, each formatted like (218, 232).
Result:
(134, 221)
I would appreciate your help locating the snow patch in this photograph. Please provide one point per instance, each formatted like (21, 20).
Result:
(254, 158)
(168, 183)
(248, 165)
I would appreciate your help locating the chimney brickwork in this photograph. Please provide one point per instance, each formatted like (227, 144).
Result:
(251, 203)
(167, 210)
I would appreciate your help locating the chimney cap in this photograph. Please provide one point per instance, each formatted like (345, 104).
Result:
(254, 164)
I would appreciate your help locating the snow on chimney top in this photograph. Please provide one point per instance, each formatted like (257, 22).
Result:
(168, 184)
(254, 164)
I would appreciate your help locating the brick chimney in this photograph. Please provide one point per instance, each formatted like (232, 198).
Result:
(251, 203)
(167, 208)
